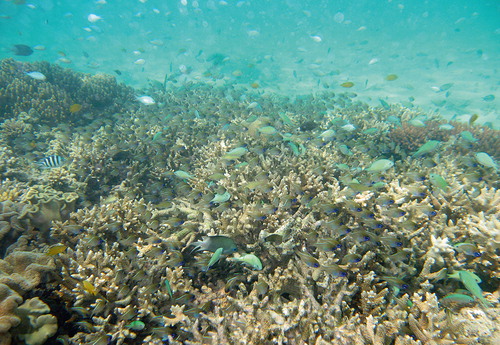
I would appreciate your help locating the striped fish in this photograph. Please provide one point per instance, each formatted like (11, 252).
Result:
(52, 161)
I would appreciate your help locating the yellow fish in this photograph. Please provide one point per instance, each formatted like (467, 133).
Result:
(347, 84)
(57, 249)
(91, 289)
(75, 108)
(391, 77)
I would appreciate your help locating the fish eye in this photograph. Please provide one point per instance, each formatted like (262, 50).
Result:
(391, 201)
(422, 194)
(294, 200)
(342, 274)
(371, 215)
(338, 246)
(262, 217)
(366, 238)
(315, 265)
(477, 254)
(379, 226)
(402, 213)
(404, 286)
(359, 209)
(378, 243)
(433, 213)
(398, 244)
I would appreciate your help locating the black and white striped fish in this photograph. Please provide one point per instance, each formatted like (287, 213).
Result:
(52, 161)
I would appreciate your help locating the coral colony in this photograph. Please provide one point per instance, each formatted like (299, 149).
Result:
(204, 214)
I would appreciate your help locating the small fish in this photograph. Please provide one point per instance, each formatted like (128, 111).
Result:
(212, 243)
(268, 130)
(89, 287)
(117, 71)
(316, 38)
(146, 100)
(136, 325)
(468, 249)
(328, 244)
(53, 161)
(334, 270)
(391, 77)
(308, 259)
(473, 119)
(215, 257)
(485, 160)
(428, 147)
(93, 18)
(327, 135)
(417, 123)
(396, 284)
(36, 75)
(56, 249)
(251, 260)
(438, 181)
(220, 198)
(471, 282)
(75, 108)
(351, 258)
(169, 288)
(235, 153)
(348, 127)
(457, 298)
(468, 136)
(347, 84)
(21, 50)
(489, 98)
(446, 127)
(140, 62)
(380, 165)
(183, 174)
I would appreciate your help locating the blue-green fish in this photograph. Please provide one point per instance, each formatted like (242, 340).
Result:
(183, 174)
(429, 146)
(220, 198)
(485, 160)
(215, 257)
(471, 282)
(380, 165)
(251, 260)
(438, 181)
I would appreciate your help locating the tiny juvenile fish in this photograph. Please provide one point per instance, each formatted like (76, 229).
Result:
(53, 161)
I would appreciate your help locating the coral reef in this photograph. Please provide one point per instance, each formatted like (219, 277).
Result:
(351, 252)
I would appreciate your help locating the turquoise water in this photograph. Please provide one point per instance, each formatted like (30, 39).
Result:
(289, 47)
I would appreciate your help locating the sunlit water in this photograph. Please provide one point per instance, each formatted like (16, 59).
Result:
(445, 54)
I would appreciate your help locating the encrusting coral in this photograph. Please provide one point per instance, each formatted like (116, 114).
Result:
(353, 251)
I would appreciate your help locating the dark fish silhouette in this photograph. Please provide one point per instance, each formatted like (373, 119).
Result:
(22, 50)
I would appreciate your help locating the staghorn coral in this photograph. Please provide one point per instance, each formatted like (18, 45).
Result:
(297, 200)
